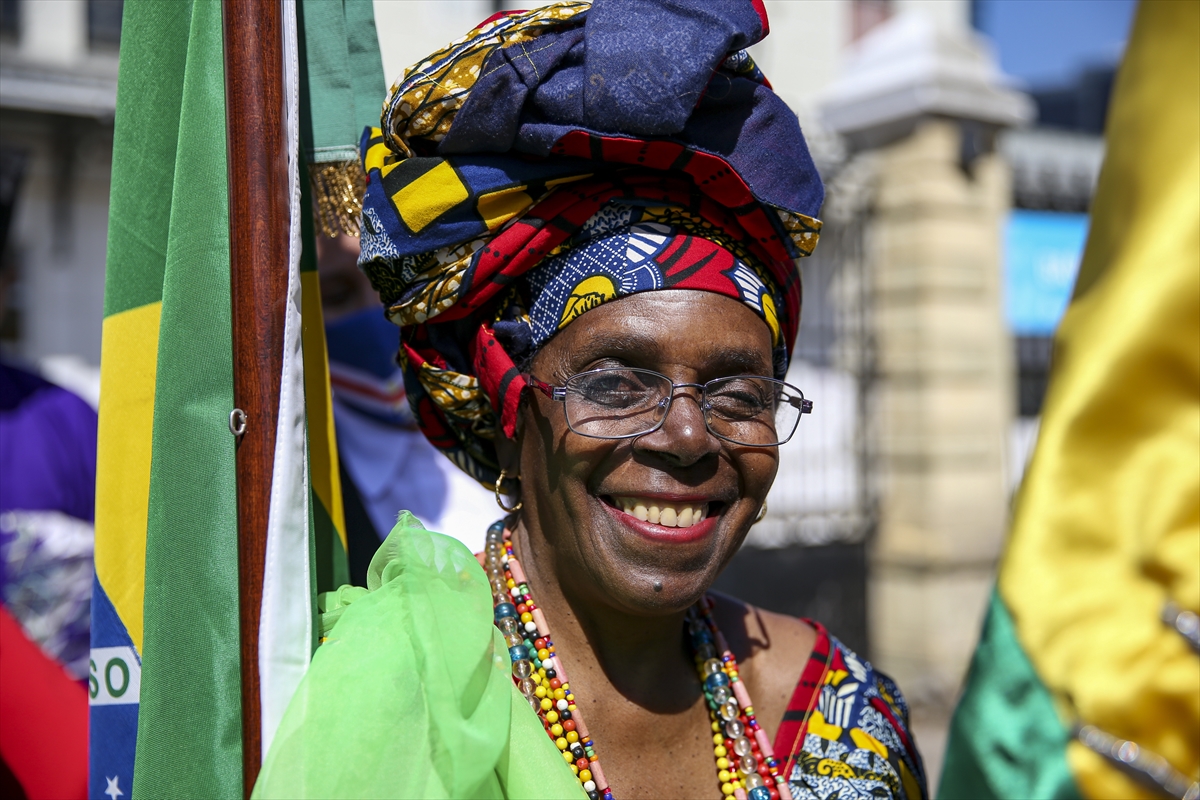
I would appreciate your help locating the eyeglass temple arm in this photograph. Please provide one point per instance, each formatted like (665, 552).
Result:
(805, 405)
(553, 392)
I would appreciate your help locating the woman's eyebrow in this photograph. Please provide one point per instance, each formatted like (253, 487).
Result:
(622, 344)
(646, 350)
(734, 361)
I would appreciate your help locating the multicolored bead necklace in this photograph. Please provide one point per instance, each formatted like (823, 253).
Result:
(536, 669)
(746, 765)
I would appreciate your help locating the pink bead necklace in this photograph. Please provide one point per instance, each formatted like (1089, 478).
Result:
(746, 765)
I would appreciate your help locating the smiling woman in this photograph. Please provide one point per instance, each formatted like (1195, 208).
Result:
(575, 488)
(586, 220)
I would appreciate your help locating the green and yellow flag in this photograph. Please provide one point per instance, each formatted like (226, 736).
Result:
(1086, 682)
(165, 684)
(164, 644)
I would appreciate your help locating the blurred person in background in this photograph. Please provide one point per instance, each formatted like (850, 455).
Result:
(47, 504)
(387, 464)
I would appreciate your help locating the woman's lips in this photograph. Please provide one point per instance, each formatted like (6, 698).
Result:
(690, 517)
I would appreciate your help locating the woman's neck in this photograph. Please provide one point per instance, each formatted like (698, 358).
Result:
(643, 657)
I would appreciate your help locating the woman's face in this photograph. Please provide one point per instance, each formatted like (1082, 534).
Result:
(584, 493)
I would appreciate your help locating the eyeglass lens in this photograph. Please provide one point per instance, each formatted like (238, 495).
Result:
(619, 402)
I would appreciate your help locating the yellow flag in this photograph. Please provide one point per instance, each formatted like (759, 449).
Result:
(1106, 531)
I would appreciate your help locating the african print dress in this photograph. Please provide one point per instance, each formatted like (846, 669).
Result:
(845, 732)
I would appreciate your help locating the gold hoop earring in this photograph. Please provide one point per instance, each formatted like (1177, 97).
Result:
(762, 512)
(500, 497)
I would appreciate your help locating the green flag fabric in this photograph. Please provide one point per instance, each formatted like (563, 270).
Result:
(166, 547)
(165, 717)
(1007, 739)
(341, 92)
(343, 85)
(190, 662)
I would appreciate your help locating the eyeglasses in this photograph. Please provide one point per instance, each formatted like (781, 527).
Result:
(624, 402)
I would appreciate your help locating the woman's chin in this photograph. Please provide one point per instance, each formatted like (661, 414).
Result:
(648, 568)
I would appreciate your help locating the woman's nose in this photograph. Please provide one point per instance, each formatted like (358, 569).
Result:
(683, 437)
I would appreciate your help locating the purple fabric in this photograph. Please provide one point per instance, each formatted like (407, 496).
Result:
(47, 447)
(47, 506)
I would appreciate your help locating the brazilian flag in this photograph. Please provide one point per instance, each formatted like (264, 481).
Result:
(1086, 682)
(165, 683)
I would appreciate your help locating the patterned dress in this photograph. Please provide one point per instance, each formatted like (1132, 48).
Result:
(845, 732)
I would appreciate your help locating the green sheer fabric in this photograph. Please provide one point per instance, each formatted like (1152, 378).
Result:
(411, 693)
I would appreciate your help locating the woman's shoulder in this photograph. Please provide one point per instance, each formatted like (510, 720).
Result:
(757, 632)
(843, 728)
(770, 649)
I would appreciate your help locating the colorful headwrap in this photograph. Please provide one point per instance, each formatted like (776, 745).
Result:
(556, 159)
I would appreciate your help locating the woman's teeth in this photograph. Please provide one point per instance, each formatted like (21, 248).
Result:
(670, 515)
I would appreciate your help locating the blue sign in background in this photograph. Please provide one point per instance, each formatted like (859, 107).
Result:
(1042, 254)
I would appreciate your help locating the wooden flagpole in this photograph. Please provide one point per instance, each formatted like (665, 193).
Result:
(258, 245)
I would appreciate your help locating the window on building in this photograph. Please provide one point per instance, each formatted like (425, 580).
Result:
(10, 17)
(104, 21)
(1033, 372)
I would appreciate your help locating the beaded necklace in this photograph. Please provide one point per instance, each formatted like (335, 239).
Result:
(746, 765)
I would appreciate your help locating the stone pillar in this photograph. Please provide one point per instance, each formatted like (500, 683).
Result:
(949, 14)
(921, 101)
(942, 404)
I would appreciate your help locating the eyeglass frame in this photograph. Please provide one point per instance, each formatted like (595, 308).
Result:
(559, 394)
